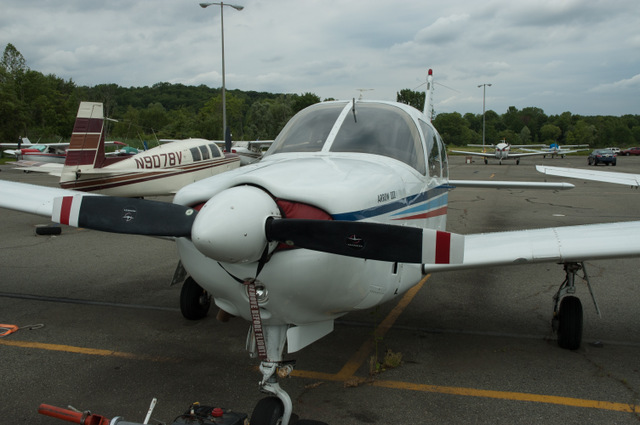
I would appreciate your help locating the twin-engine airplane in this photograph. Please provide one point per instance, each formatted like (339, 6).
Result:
(162, 170)
(502, 151)
(346, 210)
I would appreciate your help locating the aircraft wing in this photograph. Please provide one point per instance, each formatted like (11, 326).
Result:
(627, 179)
(554, 244)
(52, 168)
(521, 154)
(482, 154)
(493, 184)
(260, 143)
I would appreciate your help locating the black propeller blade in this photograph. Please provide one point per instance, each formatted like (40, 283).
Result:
(354, 239)
(125, 215)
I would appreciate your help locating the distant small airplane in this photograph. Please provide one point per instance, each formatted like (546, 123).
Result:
(162, 170)
(501, 152)
(627, 179)
(43, 152)
(555, 149)
(250, 151)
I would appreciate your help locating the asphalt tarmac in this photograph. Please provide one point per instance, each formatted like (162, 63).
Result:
(476, 346)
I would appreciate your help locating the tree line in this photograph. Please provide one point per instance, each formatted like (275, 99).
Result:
(43, 108)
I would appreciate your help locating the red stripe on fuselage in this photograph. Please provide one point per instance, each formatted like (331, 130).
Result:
(429, 214)
(443, 247)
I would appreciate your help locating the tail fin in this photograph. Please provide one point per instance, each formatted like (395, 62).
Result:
(428, 99)
(86, 147)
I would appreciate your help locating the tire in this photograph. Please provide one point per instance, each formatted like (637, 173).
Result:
(570, 323)
(194, 301)
(268, 411)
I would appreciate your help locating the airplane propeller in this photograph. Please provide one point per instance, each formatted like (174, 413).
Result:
(237, 224)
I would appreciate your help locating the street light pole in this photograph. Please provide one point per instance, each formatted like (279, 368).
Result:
(484, 92)
(226, 133)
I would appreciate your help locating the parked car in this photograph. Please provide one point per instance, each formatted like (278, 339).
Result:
(601, 156)
(614, 150)
(630, 151)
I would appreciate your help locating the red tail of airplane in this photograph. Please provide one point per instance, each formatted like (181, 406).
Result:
(87, 141)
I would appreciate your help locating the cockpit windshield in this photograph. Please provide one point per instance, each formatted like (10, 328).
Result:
(308, 130)
(374, 128)
(381, 129)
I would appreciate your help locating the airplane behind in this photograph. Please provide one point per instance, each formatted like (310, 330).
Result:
(162, 170)
(555, 150)
(42, 152)
(502, 151)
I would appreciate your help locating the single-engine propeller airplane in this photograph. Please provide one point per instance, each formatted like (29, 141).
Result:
(554, 149)
(162, 170)
(501, 151)
(346, 210)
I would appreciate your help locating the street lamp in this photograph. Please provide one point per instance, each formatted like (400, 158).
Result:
(227, 135)
(484, 92)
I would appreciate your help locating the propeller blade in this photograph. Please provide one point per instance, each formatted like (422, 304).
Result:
(124, 215)
(374, 241)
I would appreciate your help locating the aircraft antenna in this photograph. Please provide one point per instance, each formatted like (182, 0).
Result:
(363, 90)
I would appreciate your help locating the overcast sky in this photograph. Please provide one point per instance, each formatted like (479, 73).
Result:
(581, 56)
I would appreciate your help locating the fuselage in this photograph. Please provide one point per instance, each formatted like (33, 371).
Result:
(372, 161)
(502, 150)
(162, 170)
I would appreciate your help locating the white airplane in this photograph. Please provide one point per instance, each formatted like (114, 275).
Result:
(42, 152)
(162, 170)
(627, 179)
(555, 149)
(501, 151)
(346, 210)
(250, 151)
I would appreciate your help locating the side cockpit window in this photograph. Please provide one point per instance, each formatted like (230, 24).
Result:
(434, 156)
(381, 129)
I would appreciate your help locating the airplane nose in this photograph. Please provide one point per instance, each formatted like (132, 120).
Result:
(230, 227)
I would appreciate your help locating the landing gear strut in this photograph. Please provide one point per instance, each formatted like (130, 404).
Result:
(567, 308)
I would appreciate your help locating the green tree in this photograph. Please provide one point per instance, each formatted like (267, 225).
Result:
(525, 136)
(411, 97)
(550, 133)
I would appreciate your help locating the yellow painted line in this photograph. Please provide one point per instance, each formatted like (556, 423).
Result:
(507, 395)
(360, 356)
(472, 392)
(81, 350)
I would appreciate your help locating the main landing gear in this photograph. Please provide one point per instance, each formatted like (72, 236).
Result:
(567, 308)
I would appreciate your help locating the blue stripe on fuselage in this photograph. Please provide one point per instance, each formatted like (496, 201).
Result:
(414, 201)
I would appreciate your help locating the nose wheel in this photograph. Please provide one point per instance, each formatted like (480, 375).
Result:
(194, 300)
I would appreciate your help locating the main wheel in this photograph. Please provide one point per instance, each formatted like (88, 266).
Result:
(570, 323)
(194, 300)
(268, 411)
